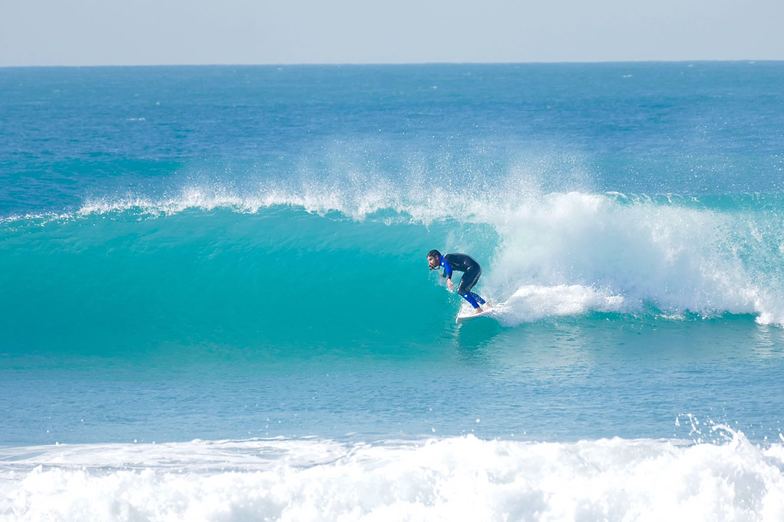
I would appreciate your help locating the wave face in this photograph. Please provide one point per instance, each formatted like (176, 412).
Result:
(259, 266)
(461, 478)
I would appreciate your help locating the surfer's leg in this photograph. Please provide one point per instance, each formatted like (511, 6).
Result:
(467, 282)
(478, 298)
(469, 296)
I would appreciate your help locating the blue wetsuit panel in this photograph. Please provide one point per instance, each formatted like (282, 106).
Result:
(447, 268)
(470, 298)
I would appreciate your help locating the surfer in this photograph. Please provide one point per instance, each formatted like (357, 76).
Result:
(462, 263)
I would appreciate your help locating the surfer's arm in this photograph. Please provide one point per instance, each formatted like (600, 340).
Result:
(448, 274)
(447, 270)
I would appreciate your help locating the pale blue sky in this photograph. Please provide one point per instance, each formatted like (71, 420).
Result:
(100, 32)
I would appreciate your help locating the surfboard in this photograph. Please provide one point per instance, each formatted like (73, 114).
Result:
(467, 313)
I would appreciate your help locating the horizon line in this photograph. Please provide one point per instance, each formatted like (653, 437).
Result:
(391, 64)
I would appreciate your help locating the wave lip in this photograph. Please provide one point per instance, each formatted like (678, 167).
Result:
(461, 478)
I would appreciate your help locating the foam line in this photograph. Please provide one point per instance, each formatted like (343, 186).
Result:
(461, 478)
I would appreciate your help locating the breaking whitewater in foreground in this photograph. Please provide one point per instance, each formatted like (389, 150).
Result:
(461, 478)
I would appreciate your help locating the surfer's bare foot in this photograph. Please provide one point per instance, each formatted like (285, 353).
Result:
(478, 310)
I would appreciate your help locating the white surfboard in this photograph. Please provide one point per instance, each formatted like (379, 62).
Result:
(468, 313)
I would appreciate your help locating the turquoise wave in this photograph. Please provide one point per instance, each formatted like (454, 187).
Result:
(137, 275)
(281, 277)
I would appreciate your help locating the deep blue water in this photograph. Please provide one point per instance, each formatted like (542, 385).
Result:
(234, 252)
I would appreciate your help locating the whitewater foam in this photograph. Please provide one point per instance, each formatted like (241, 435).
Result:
(461, 478)
(584, 252)
(534, 302)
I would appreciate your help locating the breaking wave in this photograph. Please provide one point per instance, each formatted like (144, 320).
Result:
(543, 254)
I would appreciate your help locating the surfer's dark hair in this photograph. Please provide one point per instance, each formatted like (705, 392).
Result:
(434, 253)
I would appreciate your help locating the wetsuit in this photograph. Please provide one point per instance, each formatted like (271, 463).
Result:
(471, 272)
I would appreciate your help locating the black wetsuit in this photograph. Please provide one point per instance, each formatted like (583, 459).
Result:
(471, 272)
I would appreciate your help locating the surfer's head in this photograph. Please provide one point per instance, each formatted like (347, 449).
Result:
(434, 259)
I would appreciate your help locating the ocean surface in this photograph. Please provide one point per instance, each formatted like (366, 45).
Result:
(215, 302)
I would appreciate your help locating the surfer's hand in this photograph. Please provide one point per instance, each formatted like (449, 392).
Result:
(450, 285)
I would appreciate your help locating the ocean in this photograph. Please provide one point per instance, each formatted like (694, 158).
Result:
(216, 303)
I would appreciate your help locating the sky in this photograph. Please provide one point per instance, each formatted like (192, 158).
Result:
(155, 32)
